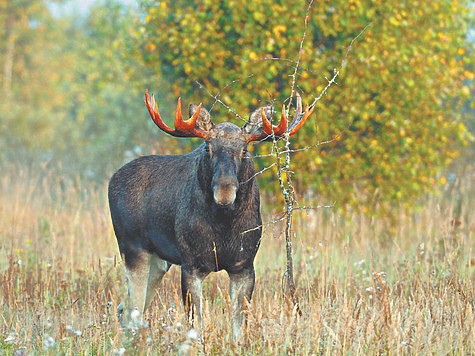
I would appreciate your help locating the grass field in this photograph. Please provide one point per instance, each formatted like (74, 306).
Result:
(365, 287)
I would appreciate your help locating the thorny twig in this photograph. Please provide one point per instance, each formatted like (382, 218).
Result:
(321, 143)
(288, 192)
(257, 173)
(287, 188)
(283, 217)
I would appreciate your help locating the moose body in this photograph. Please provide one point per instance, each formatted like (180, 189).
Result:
(199, 210)
(164, 205)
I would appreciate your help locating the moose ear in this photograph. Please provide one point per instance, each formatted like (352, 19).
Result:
(254, 124)
(204, 119)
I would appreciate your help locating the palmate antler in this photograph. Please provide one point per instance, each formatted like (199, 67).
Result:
(182, 128)
(278, 131)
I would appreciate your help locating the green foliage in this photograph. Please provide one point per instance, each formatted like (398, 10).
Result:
(395, 114)
(72, 86)
(29, 61)
(74, 95)
(104, 93)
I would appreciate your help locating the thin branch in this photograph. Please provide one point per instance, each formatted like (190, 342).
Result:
(282, 218)
(294, 75)
(321, 143)
(270, 59)
(315, 207)
(218, 100)
(342, 64)
(264, 225)
(257, 173)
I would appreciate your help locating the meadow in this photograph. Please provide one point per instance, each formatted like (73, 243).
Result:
(366, 285)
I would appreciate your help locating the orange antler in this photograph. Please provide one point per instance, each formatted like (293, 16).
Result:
(278, 131)
(182, 128)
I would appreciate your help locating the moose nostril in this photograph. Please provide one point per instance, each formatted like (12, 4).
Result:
(224, 194)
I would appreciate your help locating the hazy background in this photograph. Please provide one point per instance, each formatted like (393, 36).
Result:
(73, 75)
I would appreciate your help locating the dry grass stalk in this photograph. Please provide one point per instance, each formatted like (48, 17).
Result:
(365, 288)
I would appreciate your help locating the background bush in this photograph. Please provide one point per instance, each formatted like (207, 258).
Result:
(396, 113)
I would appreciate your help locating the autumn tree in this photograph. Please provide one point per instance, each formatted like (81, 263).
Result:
(71, 90)
(29, 58)
(395, 114)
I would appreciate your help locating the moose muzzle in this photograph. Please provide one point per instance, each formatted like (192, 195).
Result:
(224, 194)
(225, 186)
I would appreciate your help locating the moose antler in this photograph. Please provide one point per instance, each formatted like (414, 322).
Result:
(278, 131)
(182, 128)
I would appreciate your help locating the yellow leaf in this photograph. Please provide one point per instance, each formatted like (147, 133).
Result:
(394, 21)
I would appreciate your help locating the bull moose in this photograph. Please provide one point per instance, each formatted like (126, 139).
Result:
(198, 210)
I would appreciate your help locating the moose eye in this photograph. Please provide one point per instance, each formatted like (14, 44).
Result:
(244, 152)
(207, 149)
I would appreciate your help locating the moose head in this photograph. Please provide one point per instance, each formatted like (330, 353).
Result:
(226, 144)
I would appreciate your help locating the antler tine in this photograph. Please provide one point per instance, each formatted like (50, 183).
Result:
(298, 110)
(182, 128)
(278, 130)
(266, 125)
(153, 111)
(187, 126)
(297, 126)
(178, 117)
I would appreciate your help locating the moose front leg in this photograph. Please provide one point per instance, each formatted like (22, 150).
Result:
(241, 286)
(192, 290)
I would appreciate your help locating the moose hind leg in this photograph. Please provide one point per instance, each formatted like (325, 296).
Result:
(241, 286)
(143, 279)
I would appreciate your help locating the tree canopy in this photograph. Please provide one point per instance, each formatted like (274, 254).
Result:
(395, 114)
(72, 85)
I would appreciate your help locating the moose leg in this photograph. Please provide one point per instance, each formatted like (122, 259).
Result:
(192, 290)
(143, 279)
(241, 286)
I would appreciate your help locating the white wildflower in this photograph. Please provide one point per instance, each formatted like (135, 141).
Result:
(10, 338)
(120, 351)
(48, 342)
(193, 334)
(135, 314)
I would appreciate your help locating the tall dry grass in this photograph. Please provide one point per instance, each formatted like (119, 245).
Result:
(365, 286)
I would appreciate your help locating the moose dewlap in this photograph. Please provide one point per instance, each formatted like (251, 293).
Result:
(198, 210)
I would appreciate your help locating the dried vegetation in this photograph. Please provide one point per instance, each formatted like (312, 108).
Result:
(366, 286)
